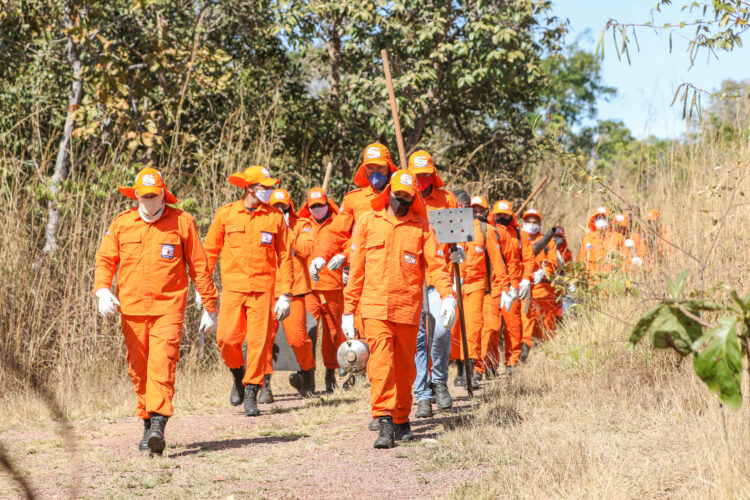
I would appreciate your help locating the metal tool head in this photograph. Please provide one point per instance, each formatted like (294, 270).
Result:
(352, 356)
(453, 225)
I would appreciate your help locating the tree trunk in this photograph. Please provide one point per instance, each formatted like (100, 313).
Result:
(62, 162)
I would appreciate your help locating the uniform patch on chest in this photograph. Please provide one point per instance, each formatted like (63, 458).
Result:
(266, 238)
(410, 258)
(478, 249)
(167, 251)
(589, 246)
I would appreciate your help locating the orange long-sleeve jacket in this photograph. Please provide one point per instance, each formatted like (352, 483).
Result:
(254, 248)
(526, 251)
(329, 280)
(479, 253)
(547, 258)
(599, 250)
(301, 243)
(511, 255)
(389, 260)
(152, 279)
(334, 238)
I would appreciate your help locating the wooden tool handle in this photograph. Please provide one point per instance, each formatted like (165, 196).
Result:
(394, 109)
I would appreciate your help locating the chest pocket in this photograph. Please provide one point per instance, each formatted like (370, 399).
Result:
(410, 255)
(266, 237)
(130, 246)
(170, 248)
(236, 236)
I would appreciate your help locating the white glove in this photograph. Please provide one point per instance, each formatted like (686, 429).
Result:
(448, 312)
(572, 288)
(637, 261)
(539, 275)
(209, 322)
(513, 294)
(282, 307)
(506, 302)
(198, 300)
(315, 266)
(108, 303)
(347, 325)
(630, 243)
(457, 255)
(345, 277)
(336, 262)
(524, 287)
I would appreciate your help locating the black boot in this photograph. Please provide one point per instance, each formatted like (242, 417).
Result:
(460, 380)
(304, 382)
(387, 433)
(374, 425)
(474, 382)
(251, 403)
(237, 396)
(265, 396)
(442, 396)
(155, 441)
(511, 370)
(424, 409)
(524, 352)
(403, 431)
(143, 445)
(330, 380)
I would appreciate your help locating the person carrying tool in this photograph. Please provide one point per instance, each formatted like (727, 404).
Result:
(636, 253)
(540, 319)
(149, 247)
(505, 217)
(295, 325)
(393, 249)
(372, 177)
(256, 264)
(326, 300)
(601, 246)
(431, 383)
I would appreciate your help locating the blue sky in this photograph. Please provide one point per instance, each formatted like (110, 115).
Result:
(646, 86)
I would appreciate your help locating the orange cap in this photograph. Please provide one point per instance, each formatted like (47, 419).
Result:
(621, 220)
(420, 162)
(317, 196)
(281, 196)
(403, 181)
(503, 207)
(253, 175)
(148, 181)
(652, 215)
(374, 154)
(479, 201)
(532, 211)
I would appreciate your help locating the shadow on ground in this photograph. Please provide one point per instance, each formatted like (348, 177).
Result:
(228, 444)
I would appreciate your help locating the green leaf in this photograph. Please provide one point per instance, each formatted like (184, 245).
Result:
(641, 327)
(720, 364)
(675, 287)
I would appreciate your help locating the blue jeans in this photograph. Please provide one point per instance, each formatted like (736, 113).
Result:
(441, 349)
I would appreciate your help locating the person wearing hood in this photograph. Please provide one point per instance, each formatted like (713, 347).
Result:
(540, 320)
(432, 383)
(505, 216)
(295, 325)
(256, 265)
(326, 300)
(600, 244)
(150, 247)
(484, 277)
(635, 252)
(393, 251)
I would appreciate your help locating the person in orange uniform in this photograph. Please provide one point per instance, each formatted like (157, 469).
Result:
(636, 253)
(564, 255)
(256, 262)
(152, 244)
(601, 246)
(326, 300)
(656, 245)
(295, 326)
(392, 250)
(432, 383)
(544, 311)
(504, 216)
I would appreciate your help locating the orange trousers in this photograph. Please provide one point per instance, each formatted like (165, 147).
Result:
(490, 354)
(327, 306)
(234, 328)
(295, 328)
(512, 334)
(391, 367)
(153, 344)
(541, 320)
(473, 303)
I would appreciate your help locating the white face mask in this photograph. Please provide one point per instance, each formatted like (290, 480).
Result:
(151, 209)
(286, 218)
(264, 195)
(319, 212)
(601, 224)
(530, 228)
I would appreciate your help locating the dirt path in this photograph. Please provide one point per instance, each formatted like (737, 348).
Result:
(317, 448)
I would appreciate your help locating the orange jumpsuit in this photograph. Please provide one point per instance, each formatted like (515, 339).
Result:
(326, 300)
(256, 259)
(295, 325)
(640, 250)
(152, 287)
(513, 318)
(389, 260)
(541, 319)
(601, 251)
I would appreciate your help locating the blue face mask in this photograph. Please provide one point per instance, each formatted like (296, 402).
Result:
(377, 181)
